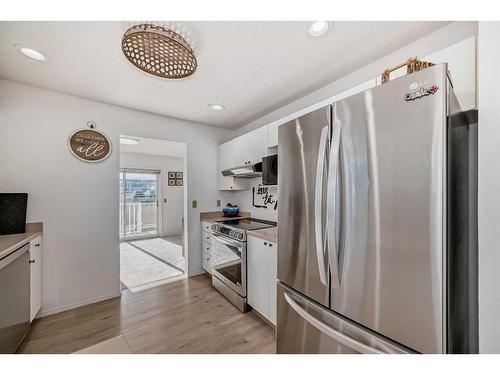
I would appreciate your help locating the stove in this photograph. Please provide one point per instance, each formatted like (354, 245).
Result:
(229, 248)
(236, 229)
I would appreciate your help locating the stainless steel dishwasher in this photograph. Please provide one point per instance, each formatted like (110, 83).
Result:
(14, 299)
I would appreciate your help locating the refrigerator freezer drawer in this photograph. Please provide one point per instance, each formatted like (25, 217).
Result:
(306, 327)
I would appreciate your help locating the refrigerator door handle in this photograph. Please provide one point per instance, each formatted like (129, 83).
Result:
(333, 176)
(318, 204)
(329, 331)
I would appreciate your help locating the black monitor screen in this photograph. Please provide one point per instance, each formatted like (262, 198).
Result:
(13, 213)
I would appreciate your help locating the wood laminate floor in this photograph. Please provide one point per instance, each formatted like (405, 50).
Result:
(186, 316)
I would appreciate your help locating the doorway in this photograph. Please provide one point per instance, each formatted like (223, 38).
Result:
(153, 239)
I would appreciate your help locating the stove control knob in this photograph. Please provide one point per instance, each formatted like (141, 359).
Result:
(240, 236)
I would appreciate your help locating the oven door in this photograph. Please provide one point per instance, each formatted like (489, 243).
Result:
(229, 263)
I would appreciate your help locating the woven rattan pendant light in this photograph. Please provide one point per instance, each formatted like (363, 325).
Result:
(159, 51)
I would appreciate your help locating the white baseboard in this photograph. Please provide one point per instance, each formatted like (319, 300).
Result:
(56, 310)
(200, 271)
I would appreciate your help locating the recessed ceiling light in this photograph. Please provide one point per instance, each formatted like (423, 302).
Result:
(129, 141)
(216, 107)
(318, 28)
(32, 53)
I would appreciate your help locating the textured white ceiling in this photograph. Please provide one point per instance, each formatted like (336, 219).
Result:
(250, 67)
(151, 146)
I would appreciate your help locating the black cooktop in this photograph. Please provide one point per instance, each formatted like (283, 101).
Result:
(249, 224)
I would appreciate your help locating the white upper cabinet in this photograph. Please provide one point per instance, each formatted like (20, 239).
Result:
(272, 135)
(249, 148)
(461, 60)
(255, 145)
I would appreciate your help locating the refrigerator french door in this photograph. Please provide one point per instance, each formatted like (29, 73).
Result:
(363, 239)
(302, 262)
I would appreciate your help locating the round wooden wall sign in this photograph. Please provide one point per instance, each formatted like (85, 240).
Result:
(89, 145)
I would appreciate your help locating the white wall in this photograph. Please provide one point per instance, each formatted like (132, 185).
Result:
(244, 201)
(78, 201)
(489, 186)
(428, 45)
(173, 209)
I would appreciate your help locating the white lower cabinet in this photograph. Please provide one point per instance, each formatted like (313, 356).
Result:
(35, 276)
(261, 278)
(206, 246)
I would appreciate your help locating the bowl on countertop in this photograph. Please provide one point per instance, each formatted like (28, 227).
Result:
(231, 211)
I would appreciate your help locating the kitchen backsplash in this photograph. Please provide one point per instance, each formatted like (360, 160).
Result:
(261, 201)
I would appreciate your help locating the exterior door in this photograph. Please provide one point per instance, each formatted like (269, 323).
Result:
(302, 167)
(139, 211)
(392, 212)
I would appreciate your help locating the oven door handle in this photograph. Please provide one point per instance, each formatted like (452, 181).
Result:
(228, 242)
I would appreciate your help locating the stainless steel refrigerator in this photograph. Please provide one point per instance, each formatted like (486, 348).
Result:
(377, 242)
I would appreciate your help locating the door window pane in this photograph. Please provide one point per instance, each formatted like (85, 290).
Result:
(138, 204)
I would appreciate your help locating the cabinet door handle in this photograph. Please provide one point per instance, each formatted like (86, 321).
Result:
(32, 261)
(270, 245)
(37, 244)
(265, 243)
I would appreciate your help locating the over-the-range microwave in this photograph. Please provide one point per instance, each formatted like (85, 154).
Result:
(270, 170)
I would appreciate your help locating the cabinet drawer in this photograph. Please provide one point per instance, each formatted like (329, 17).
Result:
(206, 261)
(36, 243)
(206, 226)
(206, 248)
(206, 237)
(207, 255)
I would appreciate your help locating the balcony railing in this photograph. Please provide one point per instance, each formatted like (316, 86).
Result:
(140, 218)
